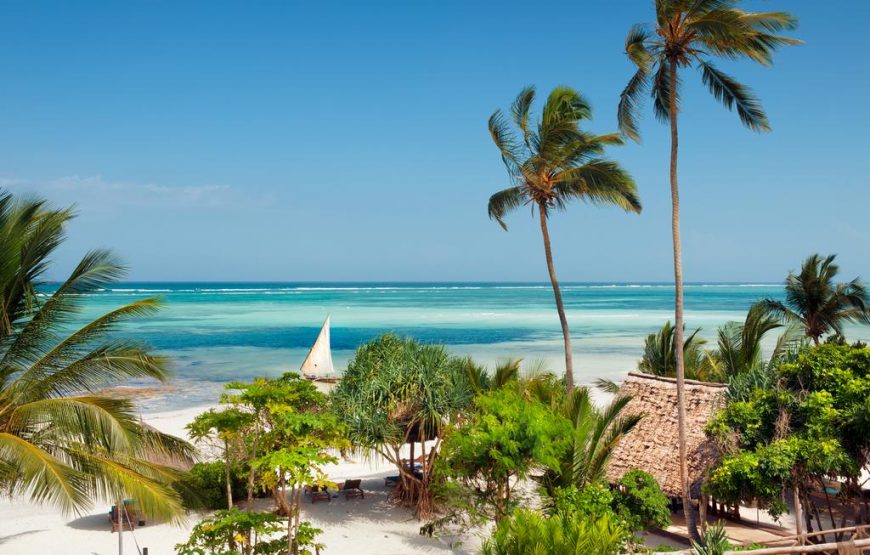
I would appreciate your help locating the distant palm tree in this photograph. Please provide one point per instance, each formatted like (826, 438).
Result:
(551, 163)
(686, 33)
(817, 303)
(61, 442)
(659, 356)
(739, 345)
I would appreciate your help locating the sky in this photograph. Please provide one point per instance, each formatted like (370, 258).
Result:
(332, 141)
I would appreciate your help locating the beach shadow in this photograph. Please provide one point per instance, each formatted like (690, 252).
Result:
(93, 523)
(10, 537)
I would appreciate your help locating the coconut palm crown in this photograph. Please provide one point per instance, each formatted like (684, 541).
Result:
(552, 162)
(688, 33)
(817, 303)
(61, 441)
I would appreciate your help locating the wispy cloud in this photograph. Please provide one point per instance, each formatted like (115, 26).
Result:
(97, 193)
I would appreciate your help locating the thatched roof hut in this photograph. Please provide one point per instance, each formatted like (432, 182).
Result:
(652, 446)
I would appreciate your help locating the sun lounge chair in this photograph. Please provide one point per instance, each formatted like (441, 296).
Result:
(391, 481)
(320, 494)
(351, 488)
(128, 519)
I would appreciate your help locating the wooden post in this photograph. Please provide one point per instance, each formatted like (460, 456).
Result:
(702, 512)
(798, 517)
(120, 512)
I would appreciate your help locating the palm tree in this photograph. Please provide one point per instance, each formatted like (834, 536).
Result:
(687, 33)
(739, 345)
(60, 441)
(815, 302)
(596, 434)
(552, 163)
(659, 355)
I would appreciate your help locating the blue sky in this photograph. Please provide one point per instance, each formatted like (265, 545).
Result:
(347, 141)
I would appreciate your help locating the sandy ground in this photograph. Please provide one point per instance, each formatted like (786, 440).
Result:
(372, 525)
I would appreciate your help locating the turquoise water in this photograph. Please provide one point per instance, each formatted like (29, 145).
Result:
(216, 332)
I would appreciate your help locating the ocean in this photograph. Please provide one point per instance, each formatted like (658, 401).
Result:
(217, 332)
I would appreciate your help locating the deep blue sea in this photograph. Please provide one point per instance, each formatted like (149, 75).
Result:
(216, 332)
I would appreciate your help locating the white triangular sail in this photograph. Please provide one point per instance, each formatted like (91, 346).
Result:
(318, 363)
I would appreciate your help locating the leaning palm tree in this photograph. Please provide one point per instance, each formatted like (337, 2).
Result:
(61, 442)
(815, 302)
(687, 33)
(552, 163)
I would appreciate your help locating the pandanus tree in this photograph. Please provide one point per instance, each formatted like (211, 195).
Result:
(398, 392)
(687, 33)
(551, 163)
(817, 303)
(61, 441)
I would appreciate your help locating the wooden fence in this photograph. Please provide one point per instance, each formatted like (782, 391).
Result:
(855, 541)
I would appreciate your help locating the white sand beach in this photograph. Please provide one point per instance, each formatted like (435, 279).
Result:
(373, 525)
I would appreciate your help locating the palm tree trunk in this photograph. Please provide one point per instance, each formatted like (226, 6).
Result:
(560, 308)
(229, 482)
(678, 311)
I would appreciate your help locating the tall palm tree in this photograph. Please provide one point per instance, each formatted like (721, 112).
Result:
(818, 304)
(552, 163)
(687, 33)
(60, 441)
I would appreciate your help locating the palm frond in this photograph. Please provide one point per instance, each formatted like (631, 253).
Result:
(42, 476)
(732, 94)
(520, 111)
(630, 102)
(506, 141)
(599, 182)
(661, 91)
(505, 201)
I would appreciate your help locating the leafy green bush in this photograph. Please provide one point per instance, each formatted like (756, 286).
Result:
(232, 532)
(526, 532)
(204, 486)
(640, 501)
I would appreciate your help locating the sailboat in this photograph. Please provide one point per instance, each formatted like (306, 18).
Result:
(317, 366)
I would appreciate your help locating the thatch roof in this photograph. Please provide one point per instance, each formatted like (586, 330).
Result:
(652, 446)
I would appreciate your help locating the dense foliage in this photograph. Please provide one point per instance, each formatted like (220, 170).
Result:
(235, 532)
(203, 486)
(279, 433)
(61, 441)
(812, 424)
(640, 502)
(504, 440)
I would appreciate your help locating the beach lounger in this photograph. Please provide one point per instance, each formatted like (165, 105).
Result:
(320, 494)
(391, 481)
(128, 519)
(351, 488)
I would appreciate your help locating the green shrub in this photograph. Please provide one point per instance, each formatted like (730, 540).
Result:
(526, 532)
(204, 486)
(640, 501)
